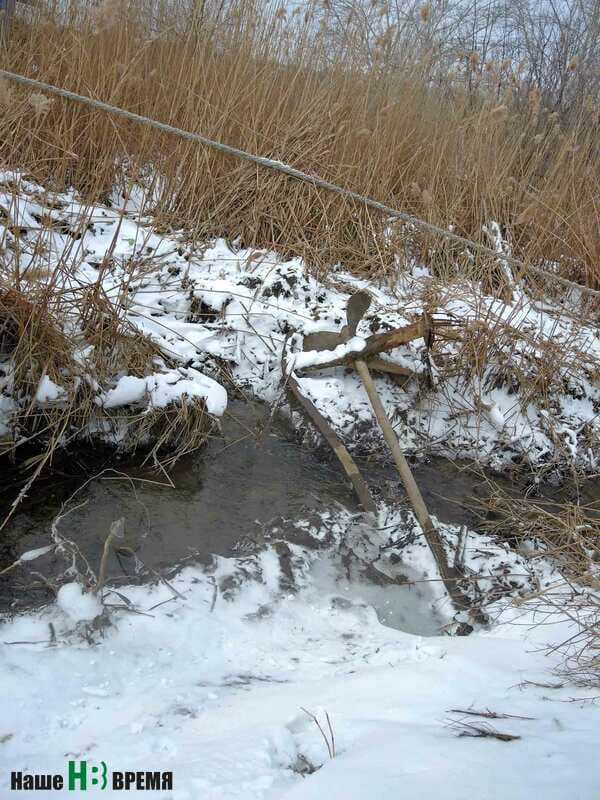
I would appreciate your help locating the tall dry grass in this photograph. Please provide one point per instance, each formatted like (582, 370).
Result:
(286, 88)
(568, 535)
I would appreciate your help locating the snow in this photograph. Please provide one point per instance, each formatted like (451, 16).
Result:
(166, 387)
(497, 417)
(216, 294)
(128, 390)
(77, 604)
(217, 696)
(48, 391)
(210, 680)
(312, 358)
(216, 310)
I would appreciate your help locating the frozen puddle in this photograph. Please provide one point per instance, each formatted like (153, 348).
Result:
(412, 608)
(405, 608)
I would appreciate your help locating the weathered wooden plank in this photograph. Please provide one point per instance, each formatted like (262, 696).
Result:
(450, 575)
(360, 487)
(381, 343)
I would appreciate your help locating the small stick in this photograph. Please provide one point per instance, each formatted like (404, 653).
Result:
(471, 712)
(116, 532)
(330, 745)
(331, 734)
(540, 685)
(482, 730)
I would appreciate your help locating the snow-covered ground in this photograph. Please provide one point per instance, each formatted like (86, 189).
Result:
(520, 384)
(208, 676)
(211, 678)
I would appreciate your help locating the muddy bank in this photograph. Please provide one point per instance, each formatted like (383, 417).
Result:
(223, 499)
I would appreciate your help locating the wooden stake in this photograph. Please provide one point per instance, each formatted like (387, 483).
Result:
(345, 459)
(449, 574)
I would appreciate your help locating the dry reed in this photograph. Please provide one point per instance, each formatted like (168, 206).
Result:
(569, 535)
(271, 85)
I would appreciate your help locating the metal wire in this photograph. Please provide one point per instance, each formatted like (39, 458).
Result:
(286, 169)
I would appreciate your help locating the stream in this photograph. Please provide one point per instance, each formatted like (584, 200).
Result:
(222, 499)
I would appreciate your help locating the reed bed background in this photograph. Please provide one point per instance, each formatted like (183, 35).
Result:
(458, 141)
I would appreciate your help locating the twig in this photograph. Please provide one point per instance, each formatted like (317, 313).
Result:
(480, 731)
(331, 734)
(487, 713)
(540, 685)
(329, 744)
(117, 529)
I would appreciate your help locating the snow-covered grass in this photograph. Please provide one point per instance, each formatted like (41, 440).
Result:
(210, 683)
(151, 319)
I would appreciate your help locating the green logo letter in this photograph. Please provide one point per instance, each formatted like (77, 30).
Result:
(77, 775)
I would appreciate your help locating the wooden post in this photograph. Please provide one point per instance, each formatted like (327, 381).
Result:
(450, 575)
(345, 459)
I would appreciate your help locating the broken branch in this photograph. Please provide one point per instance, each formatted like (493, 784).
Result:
(381, 343)
(344, 457)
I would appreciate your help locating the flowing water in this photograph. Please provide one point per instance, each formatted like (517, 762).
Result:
(223, 497)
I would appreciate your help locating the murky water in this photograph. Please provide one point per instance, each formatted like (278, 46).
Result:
(223, 497)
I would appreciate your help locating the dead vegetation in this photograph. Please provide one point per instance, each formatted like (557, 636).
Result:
(480, 730)
(569, 535)
(55, 393)
(455, 152)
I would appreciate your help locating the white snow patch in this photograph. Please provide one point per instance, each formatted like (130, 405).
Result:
(128, 390)
(262, 300)
(78, 604)
(48, 391)
(312, 358)
(216, 697)
(163, 388)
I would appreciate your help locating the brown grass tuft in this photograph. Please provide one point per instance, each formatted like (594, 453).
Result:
(568, 535)
(166, 434)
